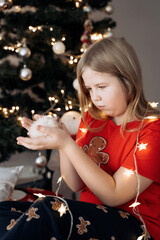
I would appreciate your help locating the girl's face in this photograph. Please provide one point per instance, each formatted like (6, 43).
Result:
(107, 93)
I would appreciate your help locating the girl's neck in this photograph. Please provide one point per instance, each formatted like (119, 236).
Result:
(120, 119)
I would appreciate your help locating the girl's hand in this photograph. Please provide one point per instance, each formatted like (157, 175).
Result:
(54, 138)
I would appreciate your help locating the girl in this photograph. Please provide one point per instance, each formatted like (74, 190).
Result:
(115, 159)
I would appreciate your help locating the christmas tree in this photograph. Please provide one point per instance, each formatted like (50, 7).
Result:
(41, 43)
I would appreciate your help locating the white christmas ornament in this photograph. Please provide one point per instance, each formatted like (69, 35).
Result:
(76, 84)
(87, 8)
(47, 121)
(2, 3)
(58, 47)
(25, 74)
(24, 52)
(71, 120)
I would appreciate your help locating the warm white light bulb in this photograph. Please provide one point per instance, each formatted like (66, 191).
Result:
(39, 195)
(142, 146)
(135, 204)
(62, 210)
(128, 172)
(140, 237)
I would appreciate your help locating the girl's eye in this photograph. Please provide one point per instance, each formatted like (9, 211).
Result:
(102, 86)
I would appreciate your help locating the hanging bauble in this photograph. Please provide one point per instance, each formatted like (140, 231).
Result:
(5, 4)
(24, 52)
(109, 9)
(108, 33)
(41, 161)
(76, 84)
(58, 47)
(25, 73)
(87, 9)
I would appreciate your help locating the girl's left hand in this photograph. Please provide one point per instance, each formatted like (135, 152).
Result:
(54, 138)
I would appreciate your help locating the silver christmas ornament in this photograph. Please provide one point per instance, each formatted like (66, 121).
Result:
(59, 47)
(5, 4)
(24, 52)
(25, 74)
(109, 9)
(87, 9)
(41, 161)
(2, 3)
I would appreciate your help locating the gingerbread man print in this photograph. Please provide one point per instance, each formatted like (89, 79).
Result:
(94, 150)
(82, 227)
(11, 225)
(32, 214)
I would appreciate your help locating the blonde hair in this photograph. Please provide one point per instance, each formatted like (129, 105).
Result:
(117, 57)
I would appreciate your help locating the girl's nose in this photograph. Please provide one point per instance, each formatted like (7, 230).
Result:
(96, 96)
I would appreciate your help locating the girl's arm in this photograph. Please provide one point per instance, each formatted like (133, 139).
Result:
(111, 190)
(69, 173)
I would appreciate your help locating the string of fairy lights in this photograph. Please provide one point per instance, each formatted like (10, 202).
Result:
(6, 112)
(52, 110)
(57, 45)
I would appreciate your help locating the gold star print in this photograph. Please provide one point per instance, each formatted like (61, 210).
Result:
(102, 208)
(124, 214)
(82, 226)
(31, 214)
(11, 225)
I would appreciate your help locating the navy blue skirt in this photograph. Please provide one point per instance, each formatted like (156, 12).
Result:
(54, 218)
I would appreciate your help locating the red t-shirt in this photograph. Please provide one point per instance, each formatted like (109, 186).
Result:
(111, 151)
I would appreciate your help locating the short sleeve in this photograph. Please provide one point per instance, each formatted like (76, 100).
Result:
(148, 152)
(147, 155)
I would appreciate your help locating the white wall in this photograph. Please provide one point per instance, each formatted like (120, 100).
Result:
(138, 21)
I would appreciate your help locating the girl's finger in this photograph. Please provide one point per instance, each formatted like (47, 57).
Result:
(26, 126)
(31, 143)
(36, 116)
(47, 131)
(27, 120)
(29, 146)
